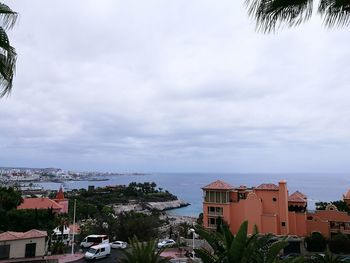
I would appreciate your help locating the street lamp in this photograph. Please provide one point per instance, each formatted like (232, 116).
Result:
(193, 233)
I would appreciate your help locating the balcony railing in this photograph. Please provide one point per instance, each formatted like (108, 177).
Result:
(215, 213)
(340, 229)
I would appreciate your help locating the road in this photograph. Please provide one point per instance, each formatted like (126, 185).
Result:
(113, 257)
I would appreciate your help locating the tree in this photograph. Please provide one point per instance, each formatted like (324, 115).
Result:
(9, 198)
(240, 248)
(272, 14)
(143, 252)
(340, 243)
(144, 227)
(316, 242)
(7, 53)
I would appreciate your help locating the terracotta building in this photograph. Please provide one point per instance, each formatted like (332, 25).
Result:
(58, 205)
(270, 208)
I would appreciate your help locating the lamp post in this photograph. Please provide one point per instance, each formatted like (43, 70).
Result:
(75, 204)
(193, 233)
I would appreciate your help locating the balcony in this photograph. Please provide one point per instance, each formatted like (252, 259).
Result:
(211, 213)
(342, 229)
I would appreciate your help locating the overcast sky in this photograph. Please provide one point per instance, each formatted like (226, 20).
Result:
(174, 86)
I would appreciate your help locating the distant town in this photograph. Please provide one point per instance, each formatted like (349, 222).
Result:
(14, 174)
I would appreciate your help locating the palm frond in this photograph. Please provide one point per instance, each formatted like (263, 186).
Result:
(275, 249)
(272, 14)
(238, 245)
(142, 252)
(8, 17)
(206, 256)
(8, 58)
(335, 13)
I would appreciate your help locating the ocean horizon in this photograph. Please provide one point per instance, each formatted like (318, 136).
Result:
(187, 186)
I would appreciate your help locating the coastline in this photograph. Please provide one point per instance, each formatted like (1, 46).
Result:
(147, 207)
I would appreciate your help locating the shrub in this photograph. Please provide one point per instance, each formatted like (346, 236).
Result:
(316, 242)
(340, 243)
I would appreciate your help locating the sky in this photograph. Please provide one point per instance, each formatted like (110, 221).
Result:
(173, 86)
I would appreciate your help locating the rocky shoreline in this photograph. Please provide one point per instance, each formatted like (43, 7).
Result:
(150, 206)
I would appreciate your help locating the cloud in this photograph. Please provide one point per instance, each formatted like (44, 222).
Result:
(173, 86)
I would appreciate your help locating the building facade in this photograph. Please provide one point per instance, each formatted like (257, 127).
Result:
(22, 244)
(270, 208)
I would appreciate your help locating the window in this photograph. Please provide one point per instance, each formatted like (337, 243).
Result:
(274, 199)
(283, 223)
(216, 197)
(212, 210)
(103, 249)
(211, 222)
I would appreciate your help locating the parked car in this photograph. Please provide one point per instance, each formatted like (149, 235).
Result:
(119, 244)
(166, 243)
(98, 251)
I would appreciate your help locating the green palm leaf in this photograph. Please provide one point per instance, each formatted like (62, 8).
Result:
(142, 252)
(272, 14)
(335, 12)
(239, 243)
(8, 54)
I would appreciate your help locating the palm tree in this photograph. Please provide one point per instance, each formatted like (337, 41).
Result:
(7, 53)
(271, 14)
(143, 252)
(228, 248)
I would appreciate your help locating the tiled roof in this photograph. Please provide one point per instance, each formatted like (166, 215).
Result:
(347, 196)
(219, 185)
(297, 197)
(267, 187)
(34, 233)
(39, 203)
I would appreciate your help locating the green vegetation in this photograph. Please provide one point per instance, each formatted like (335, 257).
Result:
(22, 220)
(91, 202)
(339, 243)
(340, 205)
(9, 198)
(328, 257)
(8, 54)
(273, 14)
(122, 226)
(241, 248)
(316, 242)
(143, 252)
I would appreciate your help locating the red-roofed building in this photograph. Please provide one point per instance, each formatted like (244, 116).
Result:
(271, 209)
(58, 205)
(22, 244)
(218, 185)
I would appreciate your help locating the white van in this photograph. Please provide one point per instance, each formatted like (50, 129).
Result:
(99, 251)
(93, 240)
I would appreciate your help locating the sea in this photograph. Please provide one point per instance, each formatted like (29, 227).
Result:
(187, 186)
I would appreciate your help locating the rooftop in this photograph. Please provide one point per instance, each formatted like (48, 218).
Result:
(219, 185)
(297, 197)
(267, 187)
(34, 233)
(39, 203)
